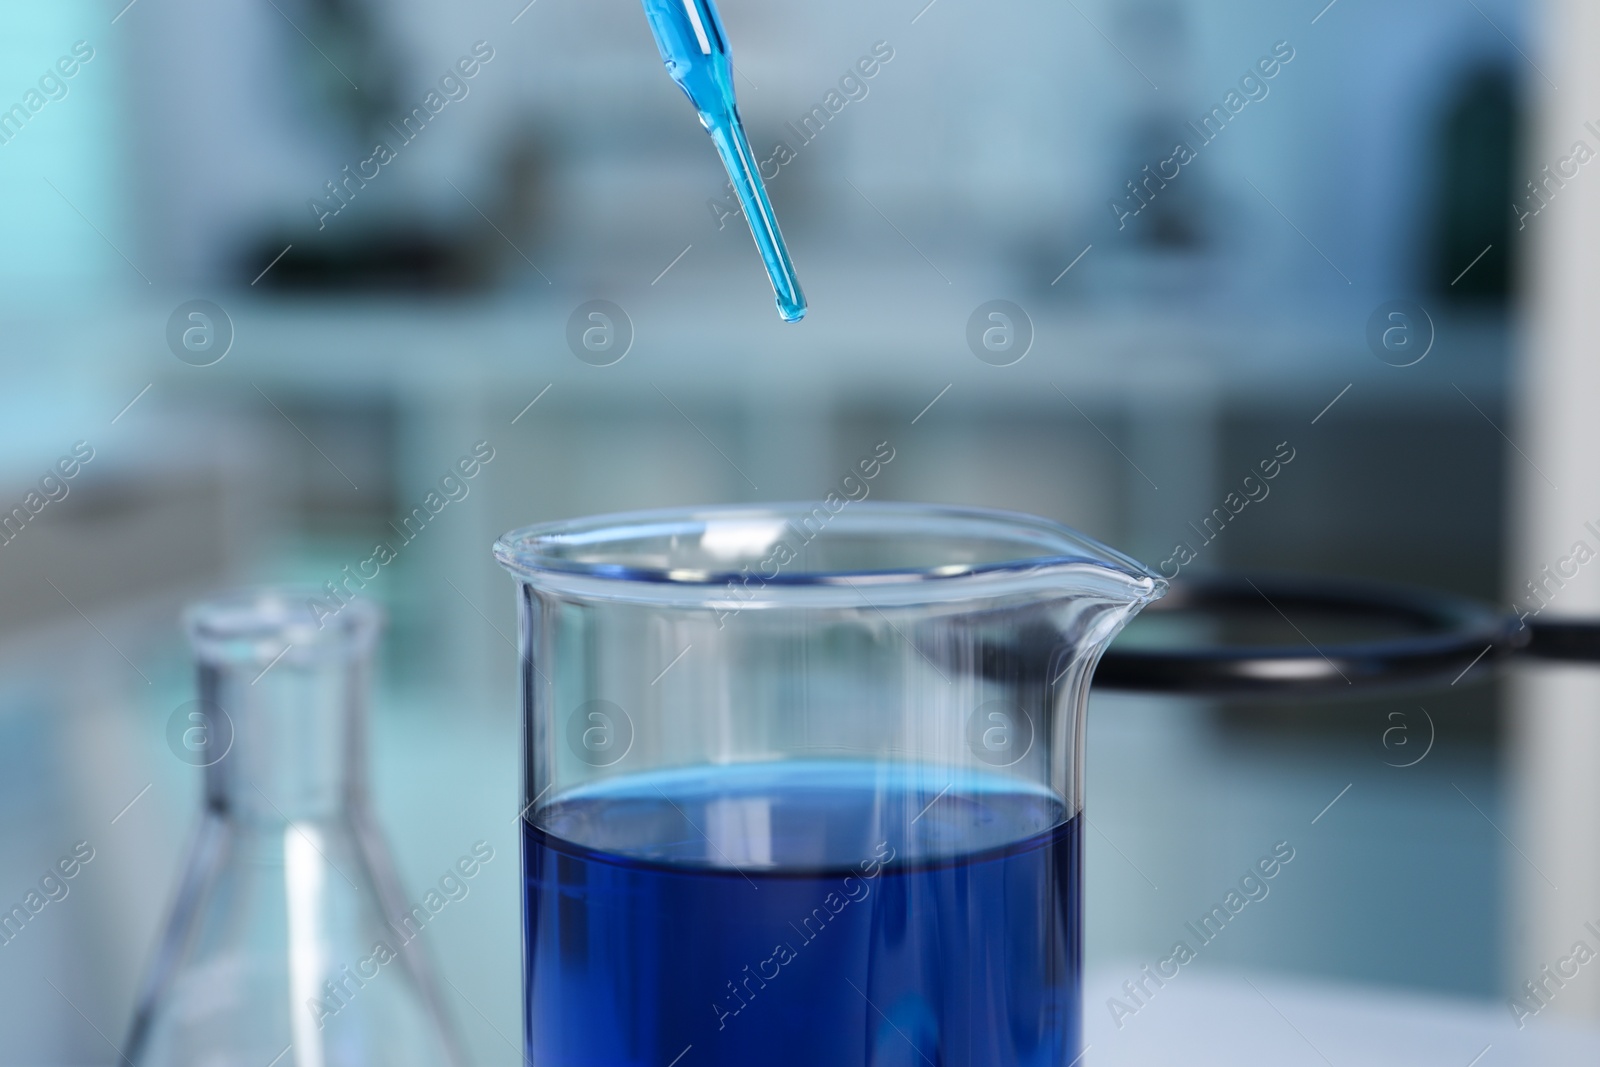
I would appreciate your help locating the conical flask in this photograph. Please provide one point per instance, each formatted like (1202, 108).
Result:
(290, 942)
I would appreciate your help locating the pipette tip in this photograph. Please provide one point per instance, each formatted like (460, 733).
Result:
(695, 50)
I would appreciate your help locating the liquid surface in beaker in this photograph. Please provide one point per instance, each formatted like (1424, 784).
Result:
(804, 913)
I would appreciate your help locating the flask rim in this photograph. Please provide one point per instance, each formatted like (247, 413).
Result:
(648, 554)
(260, 622)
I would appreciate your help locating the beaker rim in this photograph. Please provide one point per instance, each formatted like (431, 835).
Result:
(868, 543)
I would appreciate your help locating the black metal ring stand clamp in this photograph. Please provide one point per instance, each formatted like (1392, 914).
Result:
(1447, 638)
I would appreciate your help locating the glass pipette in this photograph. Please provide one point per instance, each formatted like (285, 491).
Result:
(695, 50)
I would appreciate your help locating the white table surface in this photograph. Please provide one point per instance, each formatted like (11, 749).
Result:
(1222, 1018)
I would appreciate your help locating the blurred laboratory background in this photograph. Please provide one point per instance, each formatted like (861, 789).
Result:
(265, 339)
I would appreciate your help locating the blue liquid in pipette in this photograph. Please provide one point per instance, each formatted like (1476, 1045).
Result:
(695, 50)
(743, 911)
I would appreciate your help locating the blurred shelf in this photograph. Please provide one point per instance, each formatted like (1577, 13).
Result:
(865, 341)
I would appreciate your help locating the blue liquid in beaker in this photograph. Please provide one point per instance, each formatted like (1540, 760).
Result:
(744, 911)
(695, 49)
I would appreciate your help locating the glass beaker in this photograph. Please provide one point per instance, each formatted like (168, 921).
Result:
(289, 942)
(803, 784)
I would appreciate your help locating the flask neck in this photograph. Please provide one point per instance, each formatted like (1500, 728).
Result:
(284, 703)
